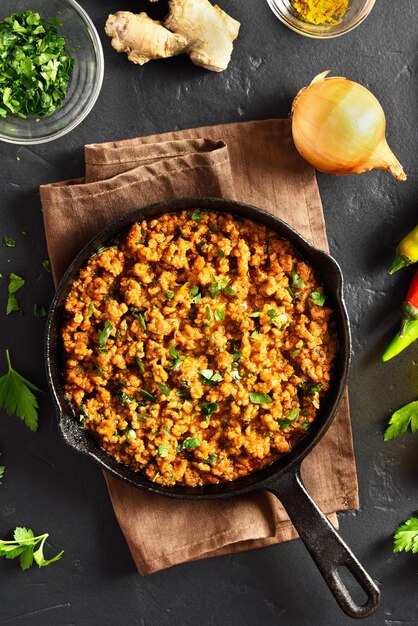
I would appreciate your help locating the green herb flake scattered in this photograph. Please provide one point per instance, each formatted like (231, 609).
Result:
(220, 286)
(190, 443)
(15, 283)
(255, 334)
(164, 389)
(296, 279)
(208, 408)
(136, 313)
(237, 355)
(219, 315)
(210, 377)
(197, 217)
(260, 398)
(169, 294)
(255, 314)
(211, 460)
(208, 313)
(177, 359)
(39, 310)
(146, 395)
(163, 450)
(47, 265)
(8, 242)
(140, 364)
(221, 254)
(35, 68)
(104, 334)
(318, 298)
(292, 414)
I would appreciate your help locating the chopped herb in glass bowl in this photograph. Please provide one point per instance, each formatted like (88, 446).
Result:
(51, 69)
(35, 68)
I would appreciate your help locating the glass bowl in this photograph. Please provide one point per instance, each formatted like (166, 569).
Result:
(357, 11)
(86, 80)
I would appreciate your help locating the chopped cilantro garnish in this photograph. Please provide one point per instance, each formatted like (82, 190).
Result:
(219, 315)
(237, 354)
(220, 286)
(260, 398)
(197, 217)
(235, 375)
(292, 414)
(163, 450)
(318, 298)
(34, 67)
(209, 408)
(221, 254)
(104, 334)
(276, 318)
(139, 364)
(296, 279)
(169, 294)
(46, 265)
(255, 314)
(196, 295)
(177, 359)
(146, 395)
(210, 377)
(254, 334)
(190, 443)
(164, 389)
(136, 313)
(212, 458)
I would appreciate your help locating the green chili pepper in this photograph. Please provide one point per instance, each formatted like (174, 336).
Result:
(406, 252)
(409, 324)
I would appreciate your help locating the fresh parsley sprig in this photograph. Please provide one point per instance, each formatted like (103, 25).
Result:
(16, 396)
(406, 536)
(401, 419)
(23, 546)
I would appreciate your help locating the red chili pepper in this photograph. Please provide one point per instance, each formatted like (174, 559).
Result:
(409, 324)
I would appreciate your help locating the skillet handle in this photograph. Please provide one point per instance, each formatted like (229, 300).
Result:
(324, 544)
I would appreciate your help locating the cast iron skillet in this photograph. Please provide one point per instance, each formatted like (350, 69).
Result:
(282, 478)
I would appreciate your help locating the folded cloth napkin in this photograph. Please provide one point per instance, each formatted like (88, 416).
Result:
(254, 162)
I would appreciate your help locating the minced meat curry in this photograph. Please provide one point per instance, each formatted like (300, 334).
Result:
(198, 347)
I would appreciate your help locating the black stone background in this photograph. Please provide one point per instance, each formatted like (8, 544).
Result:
(50, 488)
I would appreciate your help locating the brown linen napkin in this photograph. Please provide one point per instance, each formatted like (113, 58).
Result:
(254, 162)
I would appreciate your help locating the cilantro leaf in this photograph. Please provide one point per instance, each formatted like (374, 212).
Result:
(219, 315)
(23, 546)
(220, 286)
(164, 389)
(16, 397)
(406, 537)
(2, 470)
(197, 217)
(146, 395)
(260, 398)
(177, 359)
(401, 419)
(104, 334)
(210, 377)
(296, 279)
(318, 298)
(190, 443)
(47, 265)
(163, 450)
(15, 283)
(209, 408)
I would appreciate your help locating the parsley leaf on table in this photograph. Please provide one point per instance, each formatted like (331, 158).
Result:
(15, 283)
(401, 419)
(8, 242)
(23, 546)
(16, 397)
(406, 536)
(2, 470)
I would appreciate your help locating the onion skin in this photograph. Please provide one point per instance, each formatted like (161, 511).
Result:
(339, 127)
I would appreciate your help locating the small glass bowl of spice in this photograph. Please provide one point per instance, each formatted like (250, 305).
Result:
(321, 19)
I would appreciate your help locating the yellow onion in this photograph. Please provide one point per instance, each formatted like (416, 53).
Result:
(339, 127)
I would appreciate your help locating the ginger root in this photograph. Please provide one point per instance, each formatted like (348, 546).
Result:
(142, 38)
(195, 27)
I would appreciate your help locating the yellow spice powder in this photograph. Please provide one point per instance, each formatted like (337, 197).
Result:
(321, 11)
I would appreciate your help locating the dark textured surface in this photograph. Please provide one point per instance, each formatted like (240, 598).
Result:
(49, 488)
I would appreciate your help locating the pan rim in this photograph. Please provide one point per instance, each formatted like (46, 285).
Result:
(255, 480)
